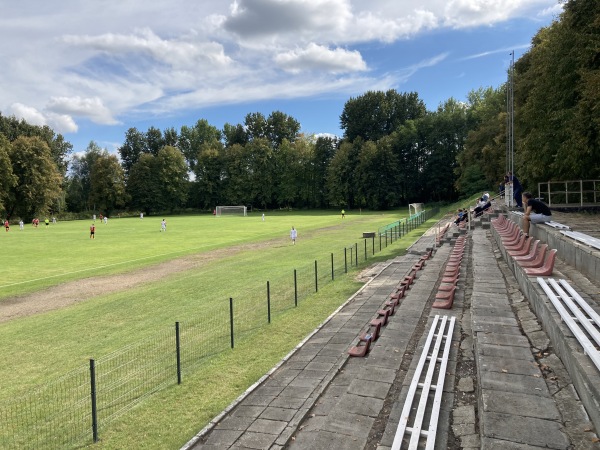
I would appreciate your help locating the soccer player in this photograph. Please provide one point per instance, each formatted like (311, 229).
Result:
(6, 225)
(163, 226)
(93, 231)
(293, 235)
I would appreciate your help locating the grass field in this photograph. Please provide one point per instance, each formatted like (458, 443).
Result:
(231, 256)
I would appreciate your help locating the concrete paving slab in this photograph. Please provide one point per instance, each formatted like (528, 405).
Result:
(520, 404)
(505, 351)
(508, 365)
(503, 339)
(525, 430)
(509, 382)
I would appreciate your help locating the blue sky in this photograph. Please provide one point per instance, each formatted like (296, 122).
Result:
(91, 70)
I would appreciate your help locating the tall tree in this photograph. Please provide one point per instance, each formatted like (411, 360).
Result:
(154, 140)
(325, 148)
(376, 114)
(208, 171)
(143, 186)
(107, 184)
(39, 180)
(78, 182)
(135, 144)
(172, 175)
(191, 140)
(280, 126)
(7, 179)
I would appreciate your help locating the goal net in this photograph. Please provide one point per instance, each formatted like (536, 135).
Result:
(414, 209)
(231, 211)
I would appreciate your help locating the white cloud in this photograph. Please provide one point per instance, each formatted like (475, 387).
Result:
(62, 123)
(317, 57)
(91, 108)
(110, 61)
(28, 113)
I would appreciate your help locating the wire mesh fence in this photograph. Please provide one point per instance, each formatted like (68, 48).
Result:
(73, 409)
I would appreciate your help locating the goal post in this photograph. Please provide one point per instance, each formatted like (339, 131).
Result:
(231, 211)
(415, 209)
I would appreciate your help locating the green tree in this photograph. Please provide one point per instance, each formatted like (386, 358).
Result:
(191, 140)
(7, 179)
(376, 114)
(38, 179)
(172, 176)
(143, 186)
(78, 182)
(482, 161)
(377, 167)
(280, 126)
(208, 172)
(135, 144)
(342, 174)
(325, 148)
(234, 134)
(107, 184)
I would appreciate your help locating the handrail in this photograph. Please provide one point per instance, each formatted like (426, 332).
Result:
(584, 192)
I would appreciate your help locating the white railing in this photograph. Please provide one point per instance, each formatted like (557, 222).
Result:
(570, 193)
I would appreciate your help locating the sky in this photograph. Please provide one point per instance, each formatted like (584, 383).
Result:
(92, 70)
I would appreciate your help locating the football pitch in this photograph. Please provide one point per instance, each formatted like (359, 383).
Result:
(92, 297)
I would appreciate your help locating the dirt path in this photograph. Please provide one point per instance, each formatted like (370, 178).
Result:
(66, 294)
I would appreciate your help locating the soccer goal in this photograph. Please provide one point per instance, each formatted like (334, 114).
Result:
(415, 209)
(231, 211)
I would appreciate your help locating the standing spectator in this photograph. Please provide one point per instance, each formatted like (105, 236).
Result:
(293, 235)
(536, 211)
(93, 231)
(517, 189)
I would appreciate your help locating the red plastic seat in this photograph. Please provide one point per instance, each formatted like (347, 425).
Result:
(526, 248)
(531, 255)
(547, 269)
(361, 349)
(538, 261)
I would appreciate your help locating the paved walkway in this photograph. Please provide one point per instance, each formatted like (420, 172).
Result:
(496, 393)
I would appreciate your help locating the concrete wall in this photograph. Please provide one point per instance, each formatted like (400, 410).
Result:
(584, 374)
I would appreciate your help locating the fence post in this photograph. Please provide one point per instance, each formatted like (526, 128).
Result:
(365, 249)
(391, 236)
(178, 350)
(316, 278)
(356, 253)
(332, 271)
(386, 244)
(93, 397)
(231, 319)
(379, 241)
(268, 302)
(295, 288)
(373, 240)
(351, 256)
(345, 260)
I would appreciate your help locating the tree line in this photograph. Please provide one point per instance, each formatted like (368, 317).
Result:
(393, 150)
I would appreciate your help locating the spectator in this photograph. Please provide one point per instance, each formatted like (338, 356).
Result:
(536, 211)
(517, 189)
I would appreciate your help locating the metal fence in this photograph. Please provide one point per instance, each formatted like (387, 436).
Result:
(73, 409)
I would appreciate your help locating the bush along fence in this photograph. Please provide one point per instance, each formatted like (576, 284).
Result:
(73, 409)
